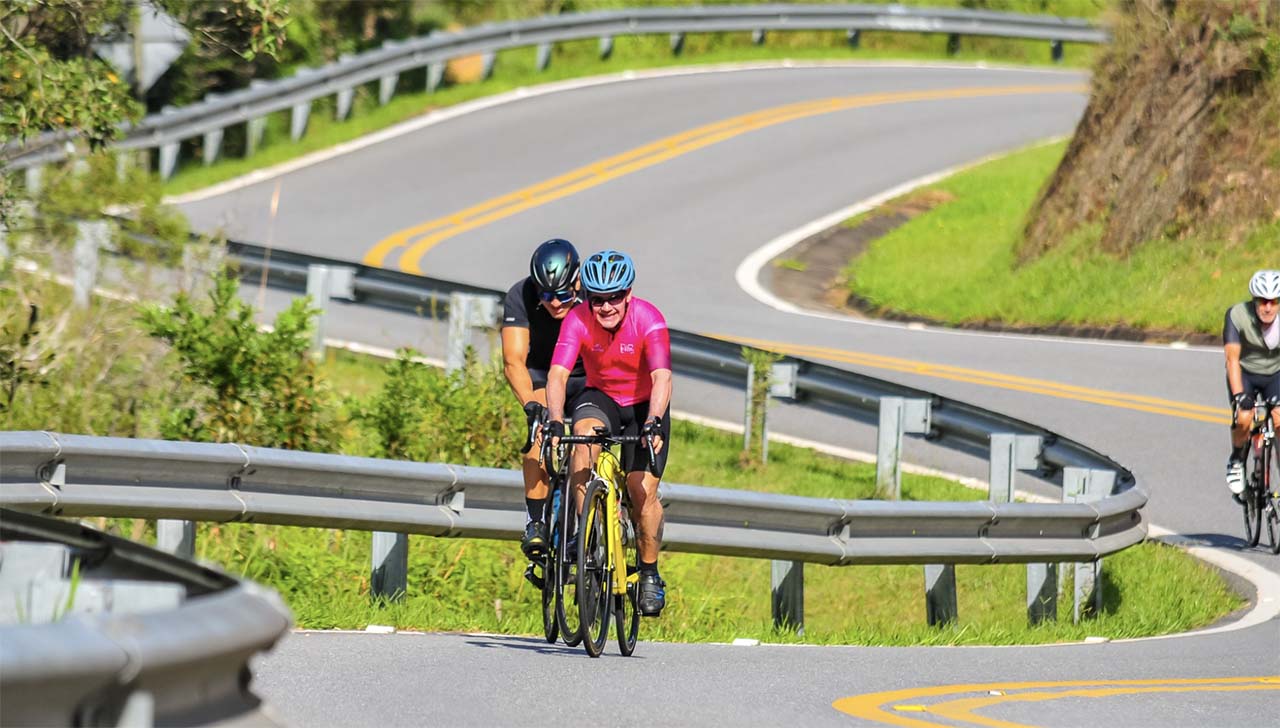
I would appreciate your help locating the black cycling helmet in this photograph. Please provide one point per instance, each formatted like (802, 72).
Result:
(554, 265)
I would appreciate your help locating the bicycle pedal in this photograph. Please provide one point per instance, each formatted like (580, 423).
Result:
(530, 574)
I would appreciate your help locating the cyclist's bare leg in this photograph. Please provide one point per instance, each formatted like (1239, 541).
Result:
(646, 511)
(535, 478)
(581, 458)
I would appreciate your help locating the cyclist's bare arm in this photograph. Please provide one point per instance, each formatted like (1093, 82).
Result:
(557, 380)
(1235, 379)
(515, 348)
(659, 399)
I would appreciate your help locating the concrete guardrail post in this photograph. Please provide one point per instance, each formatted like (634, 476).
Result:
(387, 88)
(435, 74)
(940, 594)
(544, 56)
(788, 595)
(298, 120)
(212, 146)
(854, 38)
(677, 43)
(91, 237)
(342, 105)
(606, 47)
(32, 178)
(489, 59)
(390, 576)
(1086, 485)
(898, 416)
(255, 129)
(176, 537)
(168, 159)
(759, 35)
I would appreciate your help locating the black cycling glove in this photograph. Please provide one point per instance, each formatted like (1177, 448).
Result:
(554, 428)
(533, 411)
(652, 426)
(1237, 404)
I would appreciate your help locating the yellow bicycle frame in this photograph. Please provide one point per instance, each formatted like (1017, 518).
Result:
(609, 470)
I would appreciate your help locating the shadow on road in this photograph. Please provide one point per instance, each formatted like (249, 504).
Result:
(530, 644)
(1216, 540)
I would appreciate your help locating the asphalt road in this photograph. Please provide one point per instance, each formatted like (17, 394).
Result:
(799, 144)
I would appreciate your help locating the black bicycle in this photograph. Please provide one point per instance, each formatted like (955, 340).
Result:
(559, 577)
(1261, 496)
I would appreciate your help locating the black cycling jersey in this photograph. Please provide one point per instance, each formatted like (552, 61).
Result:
(522, 309)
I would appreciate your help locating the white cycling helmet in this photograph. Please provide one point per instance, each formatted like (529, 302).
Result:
(1265, 284)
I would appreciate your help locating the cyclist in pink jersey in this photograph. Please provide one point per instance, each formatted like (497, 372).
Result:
(626, 349)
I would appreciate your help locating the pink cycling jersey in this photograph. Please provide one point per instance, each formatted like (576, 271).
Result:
(618, 363)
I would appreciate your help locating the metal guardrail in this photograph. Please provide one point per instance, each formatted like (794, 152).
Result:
(172, 667)
(213, 114)
(75, 475)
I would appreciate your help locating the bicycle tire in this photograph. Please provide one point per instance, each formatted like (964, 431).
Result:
(550, 627)
(627, 615)
(1254, 498)
(566, 582)
(1271, 496)
(594, 599)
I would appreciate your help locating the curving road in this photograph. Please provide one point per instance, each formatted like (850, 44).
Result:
(692, 173)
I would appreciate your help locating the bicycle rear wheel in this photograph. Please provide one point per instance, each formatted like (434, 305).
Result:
(1254, 497)
(595, 602)
(627, 614)
(564, 575)
(550, 629)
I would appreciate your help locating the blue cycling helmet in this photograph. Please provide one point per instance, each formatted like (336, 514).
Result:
(608, 271)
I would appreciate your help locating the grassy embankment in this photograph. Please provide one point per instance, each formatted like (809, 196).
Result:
(957, 263)
(476, 585)
(517, 68)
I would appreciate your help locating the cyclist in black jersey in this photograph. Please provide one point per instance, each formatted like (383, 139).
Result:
(531, 317)
(1251, 339)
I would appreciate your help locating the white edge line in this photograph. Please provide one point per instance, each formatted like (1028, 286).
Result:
(529, 92)
(748, 273)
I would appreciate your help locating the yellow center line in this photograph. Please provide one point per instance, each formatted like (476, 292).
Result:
(868, 706)
(432, 232)
(962, 710)
(1155, 405)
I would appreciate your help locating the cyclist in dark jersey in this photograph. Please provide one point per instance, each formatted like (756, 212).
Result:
(531, 317)
(1251, 339)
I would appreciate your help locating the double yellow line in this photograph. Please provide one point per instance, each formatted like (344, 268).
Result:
(414, 242)
(868, 707)
(1045, 387)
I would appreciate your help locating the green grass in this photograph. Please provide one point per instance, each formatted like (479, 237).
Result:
(477, 585)
(516, 68)
(956, 263)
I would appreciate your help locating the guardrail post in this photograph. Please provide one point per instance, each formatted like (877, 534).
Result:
(32, 178)
(606, 47)
(91, 237)
(176, 537)
(489, 59)
(898, 416)
(386, 88)
(435, 74)
(298, 120)
(758, 36)
(168, 159)
(1085, 485)
(390, 576)
(212, 146)
(466, 311)
(254, 130)
(677, 43)
(342, 109)
(1055, 51)
(953, 44)
(1042, 593)
(1009, 454)
(854, 38)
(788, 595)
(318, 290)
(544, 56)
(940, 594)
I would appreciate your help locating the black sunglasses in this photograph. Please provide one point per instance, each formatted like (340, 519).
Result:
(598, 301)
(561, 296)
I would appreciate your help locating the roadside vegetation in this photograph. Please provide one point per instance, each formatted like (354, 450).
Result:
(958, 263)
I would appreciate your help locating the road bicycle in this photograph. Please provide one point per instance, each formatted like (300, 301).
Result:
(558, 566)
(1261, 496)
(608, 579)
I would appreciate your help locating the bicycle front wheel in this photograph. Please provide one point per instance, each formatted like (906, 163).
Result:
(1254, 497)
(564, 574)
(595, 601)
(628, 614)
(1271, 497)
